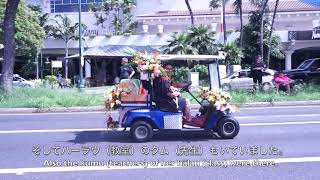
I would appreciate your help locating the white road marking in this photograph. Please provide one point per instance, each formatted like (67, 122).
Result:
(21, 171)
(121, 129)
(281, 107)
(59, 113)
(104, 112)
(56, 130)
(279, 123)
(281, 115)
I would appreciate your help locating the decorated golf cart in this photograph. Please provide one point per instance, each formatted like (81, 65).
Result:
(138, 113)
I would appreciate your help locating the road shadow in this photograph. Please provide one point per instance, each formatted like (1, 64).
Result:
(124, 137)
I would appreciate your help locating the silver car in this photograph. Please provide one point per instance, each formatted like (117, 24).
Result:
(243, 80)
(19, 81)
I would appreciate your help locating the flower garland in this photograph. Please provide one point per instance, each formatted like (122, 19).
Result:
(146, 62)
(112, 97)
(218, 99)
(111, 124)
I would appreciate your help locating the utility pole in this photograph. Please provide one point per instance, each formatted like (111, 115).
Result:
(81, 85)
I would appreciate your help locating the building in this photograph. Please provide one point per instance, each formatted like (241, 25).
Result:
(296, 23)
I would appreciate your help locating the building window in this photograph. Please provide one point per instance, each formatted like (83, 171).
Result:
(60, 6)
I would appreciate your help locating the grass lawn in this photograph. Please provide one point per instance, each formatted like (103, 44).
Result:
(46, 97)
(243, 96)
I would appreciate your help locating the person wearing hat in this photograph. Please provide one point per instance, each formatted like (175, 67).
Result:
(126, 70)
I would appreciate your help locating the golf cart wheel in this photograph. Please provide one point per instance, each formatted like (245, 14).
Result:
(141, 131)
(228, 127)
(226, 87)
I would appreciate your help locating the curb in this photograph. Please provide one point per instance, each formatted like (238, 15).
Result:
(102, 109)
(272, 104)
(51, 110)
(281, 103)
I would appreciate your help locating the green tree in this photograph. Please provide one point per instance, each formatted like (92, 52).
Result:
(233, 54)
(21, 32)
(251, 36)
(9, 44)
(262, 14)
(271, 31)
(64, 29)
(263, 8)
(196, 40)
(179, 44)
(28, 32)
(190, 12)
(238, 9)
(214, 4)
(202, 38)
(43, 18)
(117, 10)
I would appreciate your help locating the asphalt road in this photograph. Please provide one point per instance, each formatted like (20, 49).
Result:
(273, 143)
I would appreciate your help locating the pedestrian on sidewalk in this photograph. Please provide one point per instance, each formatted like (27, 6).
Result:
(257, 72)
(126, 70)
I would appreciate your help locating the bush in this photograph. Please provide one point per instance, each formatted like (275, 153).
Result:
(180, 74)
(202, 69)
(28, 70)
(52, 80)
(37, 82)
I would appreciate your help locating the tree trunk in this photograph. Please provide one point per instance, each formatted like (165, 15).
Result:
(270, 34)
(262, 27)
(190, 12)
(224, 21)
(9, 44)
(66, 60)
(241, 25)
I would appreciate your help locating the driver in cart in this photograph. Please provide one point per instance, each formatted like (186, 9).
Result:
(167, 97)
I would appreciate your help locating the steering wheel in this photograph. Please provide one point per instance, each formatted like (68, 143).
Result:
(186, 87)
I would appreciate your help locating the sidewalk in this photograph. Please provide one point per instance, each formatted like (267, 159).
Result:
(102, 109)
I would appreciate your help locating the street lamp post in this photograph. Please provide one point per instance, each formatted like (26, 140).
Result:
(80, 49)
(37, 65)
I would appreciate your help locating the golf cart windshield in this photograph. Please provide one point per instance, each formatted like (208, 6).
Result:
(211, 60)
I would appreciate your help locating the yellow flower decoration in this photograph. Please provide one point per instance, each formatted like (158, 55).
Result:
(219, 99)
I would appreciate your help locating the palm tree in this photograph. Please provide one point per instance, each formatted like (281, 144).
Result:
(190, 12)
(65, 30)
(202, 38)
(120, 12)
(262, 13)
(179, 44)
(214, 4)
(263, 6)
(9, 44)
(238, 9)
(270, 34)
(100, 16)
(233, 53)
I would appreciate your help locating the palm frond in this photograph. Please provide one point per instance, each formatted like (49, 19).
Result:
(214, 4)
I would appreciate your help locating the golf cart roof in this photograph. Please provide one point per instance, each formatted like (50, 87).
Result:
(191, 57)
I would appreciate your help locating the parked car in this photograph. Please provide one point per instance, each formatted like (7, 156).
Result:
(308, 71)
(243, 80)
(19, 81)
